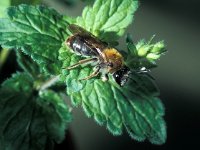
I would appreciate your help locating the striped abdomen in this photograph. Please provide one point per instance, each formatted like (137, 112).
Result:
(79, 46)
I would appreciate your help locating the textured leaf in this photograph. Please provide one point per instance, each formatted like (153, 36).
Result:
(28, 65)
(134, 106)
(36, 30)
(18, 2)
(108, 19)
(29, 120)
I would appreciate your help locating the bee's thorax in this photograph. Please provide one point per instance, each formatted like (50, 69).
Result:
(113, 58)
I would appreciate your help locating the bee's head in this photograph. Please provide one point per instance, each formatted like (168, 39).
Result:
(121, 75)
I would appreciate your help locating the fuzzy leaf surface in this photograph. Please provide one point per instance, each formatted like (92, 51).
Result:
(36, 30)
(108, 19)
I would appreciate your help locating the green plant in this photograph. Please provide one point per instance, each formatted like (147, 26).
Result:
(4, 53)
(32, 102)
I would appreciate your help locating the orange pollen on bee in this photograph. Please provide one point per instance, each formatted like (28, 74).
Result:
(113, 56)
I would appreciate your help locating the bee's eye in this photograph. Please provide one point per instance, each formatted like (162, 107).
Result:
(121, 76)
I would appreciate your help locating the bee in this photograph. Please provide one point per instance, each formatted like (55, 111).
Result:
(106, 59)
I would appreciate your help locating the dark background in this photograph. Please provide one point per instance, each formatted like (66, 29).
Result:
(177, 22)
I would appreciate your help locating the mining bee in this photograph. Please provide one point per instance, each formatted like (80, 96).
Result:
(106, 59)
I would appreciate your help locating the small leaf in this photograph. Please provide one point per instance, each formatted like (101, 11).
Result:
(108, 19)
(134, 106)
(144, 54)
(36, 30)
(29, 120)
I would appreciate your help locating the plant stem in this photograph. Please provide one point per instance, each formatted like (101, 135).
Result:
(49, 83)
(3, 56)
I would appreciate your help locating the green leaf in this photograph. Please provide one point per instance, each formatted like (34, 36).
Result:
(144, 54)
(36, 30)
(29, 120)
(28, 65)
(6, 3)
(108, 19)
(134, 106)
(18, 2)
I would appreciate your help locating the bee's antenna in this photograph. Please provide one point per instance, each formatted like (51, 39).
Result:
(151, 39)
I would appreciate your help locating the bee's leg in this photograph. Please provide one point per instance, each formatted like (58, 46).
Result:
(104, 77)
(94, 74)
(82, 62)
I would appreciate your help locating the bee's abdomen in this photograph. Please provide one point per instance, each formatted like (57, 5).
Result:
(78, 45)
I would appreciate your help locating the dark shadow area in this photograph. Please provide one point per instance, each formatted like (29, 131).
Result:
(182, 8)
(68, 143)
(9, 67)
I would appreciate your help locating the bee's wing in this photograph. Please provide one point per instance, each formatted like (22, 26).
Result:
(77, 29)
(81, 31)
(92, 41)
